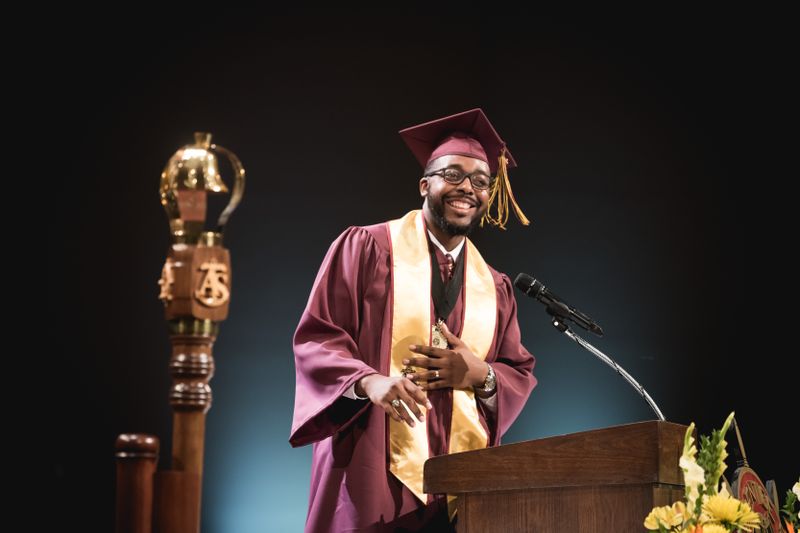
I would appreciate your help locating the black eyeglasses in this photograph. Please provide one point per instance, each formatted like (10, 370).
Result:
(479, 180)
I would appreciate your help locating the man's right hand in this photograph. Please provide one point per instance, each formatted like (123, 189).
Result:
(382, 390)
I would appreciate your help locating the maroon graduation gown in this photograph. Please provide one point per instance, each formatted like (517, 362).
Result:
(345, 334)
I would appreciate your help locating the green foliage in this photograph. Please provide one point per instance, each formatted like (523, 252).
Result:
(788, 511)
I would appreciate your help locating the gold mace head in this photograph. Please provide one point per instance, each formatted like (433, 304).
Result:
(189, 176)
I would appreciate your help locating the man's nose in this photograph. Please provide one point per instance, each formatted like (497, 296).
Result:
(466, 186)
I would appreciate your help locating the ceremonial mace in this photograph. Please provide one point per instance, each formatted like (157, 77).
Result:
(195, 289)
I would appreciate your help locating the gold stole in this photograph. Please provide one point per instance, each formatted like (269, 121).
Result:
(411, 324)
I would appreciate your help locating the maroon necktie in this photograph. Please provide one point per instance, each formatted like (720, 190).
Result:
(450, 265)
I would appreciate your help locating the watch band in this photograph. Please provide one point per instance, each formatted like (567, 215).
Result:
(490, 382)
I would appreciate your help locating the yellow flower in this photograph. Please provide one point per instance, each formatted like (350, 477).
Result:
(699, 529)
(714, 528)
(666, 516)
(796, 489)
(723, 509)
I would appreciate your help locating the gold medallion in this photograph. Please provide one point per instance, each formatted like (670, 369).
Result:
(438, 339)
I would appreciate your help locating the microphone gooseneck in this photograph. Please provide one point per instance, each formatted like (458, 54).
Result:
(560, 312)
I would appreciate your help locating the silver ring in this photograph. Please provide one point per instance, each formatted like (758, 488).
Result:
(436, 374)
(395, 403)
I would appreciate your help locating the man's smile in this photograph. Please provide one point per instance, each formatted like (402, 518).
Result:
(461, 206)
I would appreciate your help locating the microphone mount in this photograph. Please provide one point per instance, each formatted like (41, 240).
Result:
(559, 324)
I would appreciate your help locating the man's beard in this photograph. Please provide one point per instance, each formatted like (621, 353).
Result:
(437, 209)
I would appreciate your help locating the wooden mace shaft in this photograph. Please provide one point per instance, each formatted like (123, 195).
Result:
(191, 366)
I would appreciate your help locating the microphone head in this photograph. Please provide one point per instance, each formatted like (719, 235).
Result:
(524, 282)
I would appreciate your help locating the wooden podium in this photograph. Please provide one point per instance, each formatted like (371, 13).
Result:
(600, 481)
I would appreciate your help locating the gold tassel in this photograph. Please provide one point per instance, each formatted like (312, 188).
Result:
(501, 193)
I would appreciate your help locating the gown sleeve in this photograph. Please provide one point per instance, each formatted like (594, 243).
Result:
(327, 358)
(513, 366)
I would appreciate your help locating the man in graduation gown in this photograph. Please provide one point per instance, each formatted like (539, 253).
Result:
(409, 346)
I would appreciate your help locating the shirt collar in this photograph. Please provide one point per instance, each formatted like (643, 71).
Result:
(454, 252)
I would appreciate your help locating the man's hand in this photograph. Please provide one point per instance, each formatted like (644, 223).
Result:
(456, 367)
(382, 390)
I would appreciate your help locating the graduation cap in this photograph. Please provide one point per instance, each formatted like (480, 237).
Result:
(469, 134)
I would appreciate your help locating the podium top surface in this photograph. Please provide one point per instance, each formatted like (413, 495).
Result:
(642, 452)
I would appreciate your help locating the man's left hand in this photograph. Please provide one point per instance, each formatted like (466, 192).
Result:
(456, 367)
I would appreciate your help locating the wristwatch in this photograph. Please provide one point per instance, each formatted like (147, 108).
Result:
(490, 382)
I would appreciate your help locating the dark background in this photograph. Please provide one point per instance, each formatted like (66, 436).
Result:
(634, 134)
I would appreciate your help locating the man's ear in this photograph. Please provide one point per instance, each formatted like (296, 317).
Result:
(423, 187)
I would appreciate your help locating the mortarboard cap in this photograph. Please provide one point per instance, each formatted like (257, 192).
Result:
(472, 135)
(469, 134)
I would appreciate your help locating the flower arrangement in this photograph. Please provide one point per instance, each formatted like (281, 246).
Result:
(707, 509)
(790, 515)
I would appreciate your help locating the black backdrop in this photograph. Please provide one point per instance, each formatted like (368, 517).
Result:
(633, 133)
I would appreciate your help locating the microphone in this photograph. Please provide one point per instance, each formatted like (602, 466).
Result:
(554, 305)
